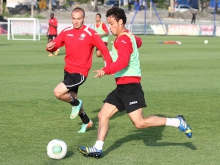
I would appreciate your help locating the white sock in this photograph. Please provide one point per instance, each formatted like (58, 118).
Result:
(98, 144)
(104, 63)
(173, 122)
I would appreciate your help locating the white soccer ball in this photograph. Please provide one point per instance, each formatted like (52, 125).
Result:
(206, 42)
(56, 149)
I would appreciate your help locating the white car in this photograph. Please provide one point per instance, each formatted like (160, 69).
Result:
(183, 8)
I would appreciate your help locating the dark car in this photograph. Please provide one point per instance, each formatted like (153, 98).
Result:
(112, 3)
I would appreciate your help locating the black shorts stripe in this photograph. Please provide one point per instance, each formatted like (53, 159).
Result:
(72, 81)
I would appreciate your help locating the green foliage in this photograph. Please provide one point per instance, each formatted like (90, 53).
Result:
(4, 13)
(160, 4)
(176, 79)
(82, 1)
(39, 16)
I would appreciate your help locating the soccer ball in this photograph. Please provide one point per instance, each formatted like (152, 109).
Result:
(56, 149)
(206, 42)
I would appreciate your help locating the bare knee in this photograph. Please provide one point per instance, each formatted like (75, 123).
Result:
(57, 94)
(101, 116)
(140, 125)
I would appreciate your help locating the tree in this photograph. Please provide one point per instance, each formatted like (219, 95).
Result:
(1, 7)
(95, 7)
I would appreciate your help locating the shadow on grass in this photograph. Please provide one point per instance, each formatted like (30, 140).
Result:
(69, 154)
(150, 137)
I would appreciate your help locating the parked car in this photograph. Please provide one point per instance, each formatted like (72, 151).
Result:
(183, 8)
(212, 4)
(112, 3)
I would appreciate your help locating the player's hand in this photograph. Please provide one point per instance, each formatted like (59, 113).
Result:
(99, 72)
(50, 45)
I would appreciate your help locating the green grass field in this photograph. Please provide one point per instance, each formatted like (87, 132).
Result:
(177, 79)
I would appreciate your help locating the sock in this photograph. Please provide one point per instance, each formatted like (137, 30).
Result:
(104, 63)
(173, 122)
(99, 144)
(85, 119)
(74, 102)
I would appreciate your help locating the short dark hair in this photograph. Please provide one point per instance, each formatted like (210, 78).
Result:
(117, 13)
(76, 9)
(99, 15)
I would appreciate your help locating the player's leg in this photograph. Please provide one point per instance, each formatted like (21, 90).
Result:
(50, 38)
(153, 121)
(140, 122)
(71, 83)
(61, 92)
(86, 121)
(99, 54)
(107, 111)
(57, 51)
(135, 111)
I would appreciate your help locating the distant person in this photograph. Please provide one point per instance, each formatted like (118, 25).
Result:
(129, 5)
(193, 17)
(136, 5)
(42, 5)
(102, 30)
(52, 32)
(169, 10)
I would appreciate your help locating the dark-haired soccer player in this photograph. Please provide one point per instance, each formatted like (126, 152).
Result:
(102, 30)
(79, 41)
(128, 94)
(52, 32)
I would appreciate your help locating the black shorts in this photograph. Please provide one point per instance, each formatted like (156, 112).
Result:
(52, 37)
(106, 43)
(73, 80)
(129, 97)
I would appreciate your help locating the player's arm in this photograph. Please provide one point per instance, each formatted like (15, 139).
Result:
(97, 42)
(58, 42)
(124, 47)
(104, 27)
(138, 41)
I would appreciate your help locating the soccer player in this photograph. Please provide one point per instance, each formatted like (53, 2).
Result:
(102, 30)
(79, 41)
(128, 94)
(52, 32)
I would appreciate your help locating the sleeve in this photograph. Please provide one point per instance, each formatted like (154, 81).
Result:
(97, 42)
(55, 22)
(138, 41)
(124, 48)
(59, 41)
(104, 27)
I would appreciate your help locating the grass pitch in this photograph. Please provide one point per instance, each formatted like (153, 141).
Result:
(177, 79)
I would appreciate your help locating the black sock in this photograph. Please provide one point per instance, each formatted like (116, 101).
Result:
(74, 102)
(85, 119)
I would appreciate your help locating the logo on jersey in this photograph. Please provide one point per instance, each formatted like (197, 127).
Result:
(123, 41)
(71, 35)
(82, 36)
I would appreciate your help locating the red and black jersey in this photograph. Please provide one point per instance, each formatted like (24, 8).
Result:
(52, 29)
(79, 44)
